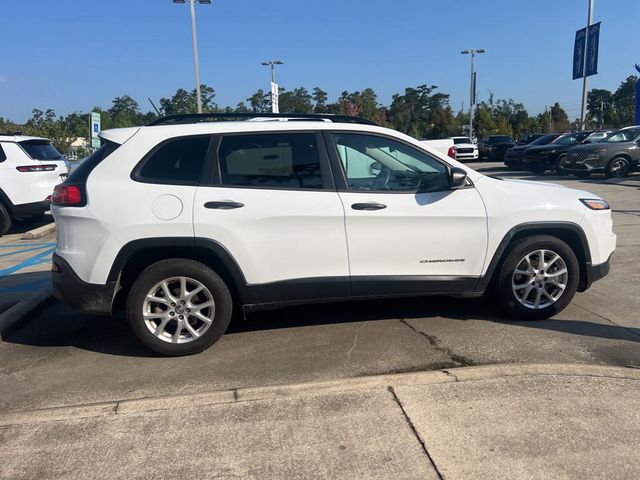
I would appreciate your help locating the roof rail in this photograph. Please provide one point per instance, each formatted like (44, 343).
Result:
(185, 118)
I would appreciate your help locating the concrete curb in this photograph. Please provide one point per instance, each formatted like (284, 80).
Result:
(39, 232)
(11, 318)
(248, 394)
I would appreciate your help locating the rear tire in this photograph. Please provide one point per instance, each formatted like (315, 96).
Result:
(618, 167)
(179, 307)
(548, 285)
(5, 220)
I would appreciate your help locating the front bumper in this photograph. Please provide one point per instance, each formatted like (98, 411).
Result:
(78, 294)
(593, 273)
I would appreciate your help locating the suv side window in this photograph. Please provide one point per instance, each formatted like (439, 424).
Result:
(271, 160)
(3, 156)
(178, 161)
(374, 163)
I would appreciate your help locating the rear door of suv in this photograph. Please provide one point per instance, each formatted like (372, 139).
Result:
(270, 200)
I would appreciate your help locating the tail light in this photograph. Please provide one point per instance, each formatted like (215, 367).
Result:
(68, 196)
(36, 168)
(452, 152)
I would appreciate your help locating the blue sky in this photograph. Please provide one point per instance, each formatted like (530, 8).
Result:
(70, 55)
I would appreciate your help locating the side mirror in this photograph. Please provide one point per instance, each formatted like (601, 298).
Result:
(457, 178)
(375, 168)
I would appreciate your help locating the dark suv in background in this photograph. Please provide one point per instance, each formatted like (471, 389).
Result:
(527, 138)
(616, 155)
(513, 156)
(552, 156)
(492, 148)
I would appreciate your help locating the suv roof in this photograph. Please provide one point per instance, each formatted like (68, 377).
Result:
(190, 118)
(19, 138)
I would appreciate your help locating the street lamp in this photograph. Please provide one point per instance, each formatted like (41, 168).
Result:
(472, 103)
(195, 46)
(274, 85)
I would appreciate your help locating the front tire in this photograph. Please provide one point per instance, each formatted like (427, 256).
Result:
(561, 164)
(179, 307)
(618, 167)
(537, 279)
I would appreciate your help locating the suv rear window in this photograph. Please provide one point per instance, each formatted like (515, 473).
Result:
(40, 150)
(3, 156)
(461, 140)
(282, 160)
(178, 161)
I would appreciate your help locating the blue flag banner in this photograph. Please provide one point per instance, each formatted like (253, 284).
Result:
(593, 36)
(578, 53)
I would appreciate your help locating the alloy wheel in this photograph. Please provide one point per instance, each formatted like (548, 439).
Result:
(539, 279)
(178, 310)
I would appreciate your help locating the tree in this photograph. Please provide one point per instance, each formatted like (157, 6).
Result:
(483, 121)
(559, 119)
(624, 101)
(124, 112)
(412, 112)
(297, 100)
(260, 102)
(186, 102)
(600, 108)
(319, 98)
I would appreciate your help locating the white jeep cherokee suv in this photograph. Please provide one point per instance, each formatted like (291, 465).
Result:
(180, 223)
(30, 167)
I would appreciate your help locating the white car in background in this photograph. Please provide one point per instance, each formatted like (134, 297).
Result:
(458, 148)
(30, 168)
(465, 149)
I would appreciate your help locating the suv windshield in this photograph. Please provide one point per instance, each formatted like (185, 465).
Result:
(459, 140)
(622, 136)
(41, 150)
(543, 140)
(566, 140)
(500, 139)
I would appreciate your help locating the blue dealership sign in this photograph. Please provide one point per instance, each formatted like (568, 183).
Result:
(578, 53)
(593, 39)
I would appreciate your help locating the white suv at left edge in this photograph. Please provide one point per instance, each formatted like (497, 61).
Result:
(181, 222)
(30, 167)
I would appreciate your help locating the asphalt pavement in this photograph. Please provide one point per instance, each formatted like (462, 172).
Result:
(64, 359)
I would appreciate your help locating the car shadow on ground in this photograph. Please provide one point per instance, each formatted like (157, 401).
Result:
(57, 326)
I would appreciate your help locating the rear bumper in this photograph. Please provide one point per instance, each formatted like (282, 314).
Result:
(26, 209)
(78, 294)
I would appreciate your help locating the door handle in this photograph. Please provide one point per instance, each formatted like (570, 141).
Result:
(226, 205)
(368, 206)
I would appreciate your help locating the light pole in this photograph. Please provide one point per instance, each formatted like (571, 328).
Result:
(195, 46)
(472, 95)
(274, 85)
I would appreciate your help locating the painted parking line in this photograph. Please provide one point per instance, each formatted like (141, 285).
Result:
(36, 254)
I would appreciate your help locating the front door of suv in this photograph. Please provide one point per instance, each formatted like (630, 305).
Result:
(271, 202)
(407, 231)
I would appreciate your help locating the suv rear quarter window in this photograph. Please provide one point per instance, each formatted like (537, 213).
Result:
(178, 161)
(272, 160)
(3, 156)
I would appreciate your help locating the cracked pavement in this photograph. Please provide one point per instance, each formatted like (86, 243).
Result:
(62, 357)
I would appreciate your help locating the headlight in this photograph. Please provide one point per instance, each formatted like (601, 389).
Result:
(595, 203)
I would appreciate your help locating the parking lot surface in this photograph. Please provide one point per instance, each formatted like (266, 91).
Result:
(62, 357)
